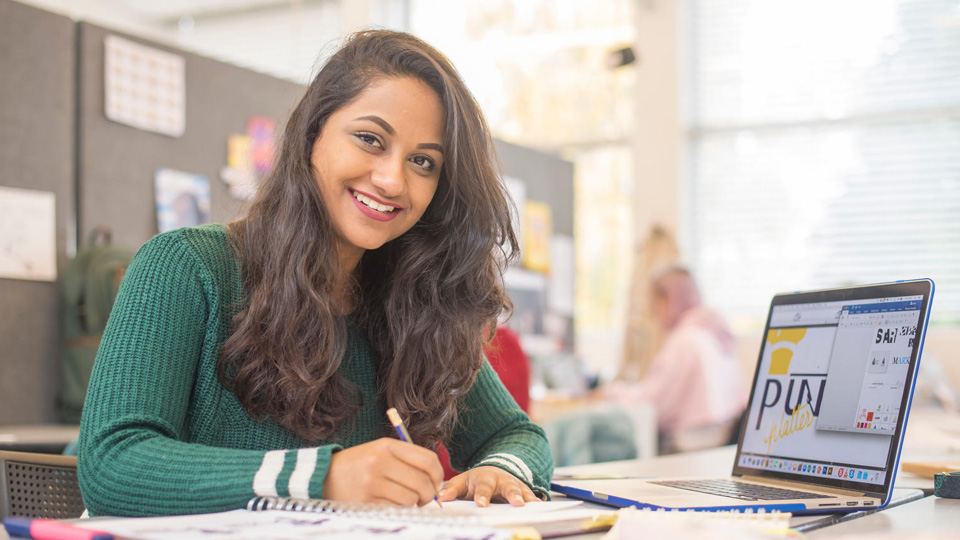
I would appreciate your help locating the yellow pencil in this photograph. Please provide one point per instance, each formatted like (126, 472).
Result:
(397, 422)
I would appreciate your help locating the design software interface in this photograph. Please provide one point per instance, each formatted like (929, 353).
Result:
(832, 377)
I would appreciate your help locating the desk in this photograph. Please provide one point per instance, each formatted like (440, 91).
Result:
(718, 462)
(928, 518)
(43, 438)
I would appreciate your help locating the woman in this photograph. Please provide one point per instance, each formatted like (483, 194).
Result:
(259, 358)
(694, 379)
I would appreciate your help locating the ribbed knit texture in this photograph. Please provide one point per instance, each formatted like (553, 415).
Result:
(160, 435)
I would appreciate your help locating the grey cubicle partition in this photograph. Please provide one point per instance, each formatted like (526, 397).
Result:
(36, 152)
(116, 163)
(548, 179)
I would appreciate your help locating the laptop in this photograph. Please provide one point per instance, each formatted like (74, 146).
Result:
(827, 413)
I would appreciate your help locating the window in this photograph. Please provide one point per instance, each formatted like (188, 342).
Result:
(824, 147)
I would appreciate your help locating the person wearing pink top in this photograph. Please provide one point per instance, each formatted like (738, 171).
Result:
(694, 380)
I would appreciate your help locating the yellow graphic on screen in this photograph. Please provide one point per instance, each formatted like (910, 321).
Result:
(780, 357)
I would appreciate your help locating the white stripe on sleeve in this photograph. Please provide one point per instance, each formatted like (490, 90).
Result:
(265, 481)
(303, 472)
(513, 463)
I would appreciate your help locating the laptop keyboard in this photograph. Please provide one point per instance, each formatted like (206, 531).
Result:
(740, 490)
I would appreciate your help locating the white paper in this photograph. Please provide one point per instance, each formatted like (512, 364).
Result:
(560, 289)
(507, 515)
(28, 236)
(504, 509)
(144, 87)
(243, 525)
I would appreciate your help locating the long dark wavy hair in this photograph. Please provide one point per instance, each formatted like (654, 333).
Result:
(424, 299)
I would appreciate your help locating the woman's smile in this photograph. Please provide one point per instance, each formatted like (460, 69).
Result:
(374, 208)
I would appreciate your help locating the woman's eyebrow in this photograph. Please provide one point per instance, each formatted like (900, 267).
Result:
(431, 146)
(380, 122)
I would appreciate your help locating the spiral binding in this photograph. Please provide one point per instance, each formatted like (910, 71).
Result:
(366, 510)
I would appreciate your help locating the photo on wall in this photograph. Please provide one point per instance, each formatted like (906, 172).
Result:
(182, 199)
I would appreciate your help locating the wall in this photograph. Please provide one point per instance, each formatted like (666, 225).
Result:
(658, 135)
(54, 137)
(117, 162)
(36, 152)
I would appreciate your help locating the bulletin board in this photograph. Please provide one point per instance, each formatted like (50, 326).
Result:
(36, 153)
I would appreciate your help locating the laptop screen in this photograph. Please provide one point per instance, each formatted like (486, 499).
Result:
(832, 385)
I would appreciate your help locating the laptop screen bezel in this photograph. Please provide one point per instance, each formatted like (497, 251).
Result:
(922, 287)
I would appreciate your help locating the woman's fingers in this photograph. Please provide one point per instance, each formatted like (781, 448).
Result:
(486, 484)
(455, 488)
(422, 460)
(414, 479)
(383, 470)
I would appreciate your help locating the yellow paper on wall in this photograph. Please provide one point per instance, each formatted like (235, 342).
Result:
(537, 231)
(238, 152)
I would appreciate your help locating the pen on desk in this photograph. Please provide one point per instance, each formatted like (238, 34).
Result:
(49, 529)
(397, 422)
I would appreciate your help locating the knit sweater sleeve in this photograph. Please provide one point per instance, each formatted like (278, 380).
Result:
(492, 430)
(134, 456)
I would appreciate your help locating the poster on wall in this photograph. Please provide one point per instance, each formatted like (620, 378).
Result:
(537, 232)
(144, 87)
(28, 236)
(238, 174)
(262, 132)
(183, 199)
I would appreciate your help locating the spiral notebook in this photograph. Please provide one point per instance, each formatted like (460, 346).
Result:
(289, 518)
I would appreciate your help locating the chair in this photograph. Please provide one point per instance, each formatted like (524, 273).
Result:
(39, 486)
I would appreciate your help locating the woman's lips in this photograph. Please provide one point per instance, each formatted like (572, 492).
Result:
(375, 214)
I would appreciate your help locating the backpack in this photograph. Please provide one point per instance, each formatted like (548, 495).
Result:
(88, 289)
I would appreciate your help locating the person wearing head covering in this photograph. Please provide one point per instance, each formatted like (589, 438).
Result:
(694, 380)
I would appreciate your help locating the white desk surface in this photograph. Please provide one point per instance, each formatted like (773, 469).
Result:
(38, 434)
(930, 434)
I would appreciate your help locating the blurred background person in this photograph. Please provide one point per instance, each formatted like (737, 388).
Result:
(694, 380)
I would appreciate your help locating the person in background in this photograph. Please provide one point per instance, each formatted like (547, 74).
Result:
(694, 380)
(259, 358)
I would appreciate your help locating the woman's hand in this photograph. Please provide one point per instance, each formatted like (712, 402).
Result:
(384, 471)
(485, 484)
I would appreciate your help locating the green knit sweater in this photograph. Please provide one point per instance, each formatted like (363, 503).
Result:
(160, 434)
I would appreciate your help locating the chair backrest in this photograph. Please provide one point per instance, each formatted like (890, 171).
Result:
(39, 486)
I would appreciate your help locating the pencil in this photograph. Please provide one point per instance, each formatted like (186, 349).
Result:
(397, 422)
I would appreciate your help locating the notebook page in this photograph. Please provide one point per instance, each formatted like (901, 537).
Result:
(280, 525)
(634, 524)
(507, 515)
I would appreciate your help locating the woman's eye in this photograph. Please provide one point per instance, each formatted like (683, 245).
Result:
(368, 139)
(423, 162)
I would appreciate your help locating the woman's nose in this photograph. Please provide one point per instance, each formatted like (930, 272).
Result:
(388, 177)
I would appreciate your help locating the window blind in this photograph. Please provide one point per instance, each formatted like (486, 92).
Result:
(824, 147)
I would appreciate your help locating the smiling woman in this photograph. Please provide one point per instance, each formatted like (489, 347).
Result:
(259, 358)
(381, 155)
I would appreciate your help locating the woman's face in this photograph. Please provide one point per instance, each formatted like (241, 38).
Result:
(377, 162)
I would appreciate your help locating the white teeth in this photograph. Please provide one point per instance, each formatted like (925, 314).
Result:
(373, 204)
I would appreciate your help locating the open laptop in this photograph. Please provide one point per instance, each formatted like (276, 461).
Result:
(827, 412)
